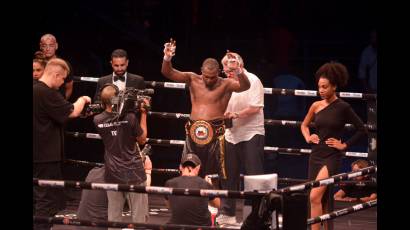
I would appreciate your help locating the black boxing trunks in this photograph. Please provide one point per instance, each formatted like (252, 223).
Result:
(206, 139)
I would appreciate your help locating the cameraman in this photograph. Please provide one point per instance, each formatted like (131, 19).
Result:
(123, 164)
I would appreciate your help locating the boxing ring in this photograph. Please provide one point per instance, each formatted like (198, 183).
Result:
(292, 185)
(195, 192)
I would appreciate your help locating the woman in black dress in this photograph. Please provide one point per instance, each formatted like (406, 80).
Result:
(330, 116)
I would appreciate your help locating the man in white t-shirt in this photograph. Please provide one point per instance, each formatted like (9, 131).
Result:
(245, 140)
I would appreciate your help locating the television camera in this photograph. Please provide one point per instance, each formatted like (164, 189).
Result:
(128, 100)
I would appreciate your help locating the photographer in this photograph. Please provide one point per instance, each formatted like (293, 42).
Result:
(123, 164)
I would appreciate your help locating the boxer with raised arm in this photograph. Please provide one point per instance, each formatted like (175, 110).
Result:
(210, 95)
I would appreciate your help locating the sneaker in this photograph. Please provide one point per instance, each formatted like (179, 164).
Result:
(224, 219)
(213, 212)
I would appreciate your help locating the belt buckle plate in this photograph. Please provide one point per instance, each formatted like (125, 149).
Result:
(201, 132)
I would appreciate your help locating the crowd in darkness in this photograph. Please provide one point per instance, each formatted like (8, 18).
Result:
(274, 36)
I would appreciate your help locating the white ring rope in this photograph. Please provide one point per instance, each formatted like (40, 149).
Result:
(330, 180)
(275, 91)
(287, 151)
(271, 122)
(197, 192)
(342, 212)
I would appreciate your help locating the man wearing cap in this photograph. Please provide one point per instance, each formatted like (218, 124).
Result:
(185, 209)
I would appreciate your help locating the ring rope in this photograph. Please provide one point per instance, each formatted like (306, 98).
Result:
(197, 192)
(96, 164)
(274, 91)
(147, 189)
(176, 171)
(342, 212)
(79, 222)
(270, 122)
(285, 180)
(329, 180)
(286, 151)
(282, 180)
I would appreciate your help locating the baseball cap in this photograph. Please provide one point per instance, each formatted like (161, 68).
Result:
(190, 157)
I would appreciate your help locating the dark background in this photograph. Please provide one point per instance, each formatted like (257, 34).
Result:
(273, 37)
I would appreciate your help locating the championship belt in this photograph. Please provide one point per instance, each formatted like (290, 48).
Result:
(201, 132)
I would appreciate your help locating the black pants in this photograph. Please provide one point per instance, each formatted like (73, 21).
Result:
(248, 155)
(47, 199)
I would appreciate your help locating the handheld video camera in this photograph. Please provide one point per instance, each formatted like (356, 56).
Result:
(131, 99)
(128, 100)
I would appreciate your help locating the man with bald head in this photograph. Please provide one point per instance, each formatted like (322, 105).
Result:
(50, 112)
(49, 47)
(210, 95)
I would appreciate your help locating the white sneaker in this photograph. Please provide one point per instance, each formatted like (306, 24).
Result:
(214, 212)
(224, 219)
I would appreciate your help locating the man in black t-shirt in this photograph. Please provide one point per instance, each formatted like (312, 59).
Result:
(50, 112)
(359, 191)
(123, 164)
(190, 210)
